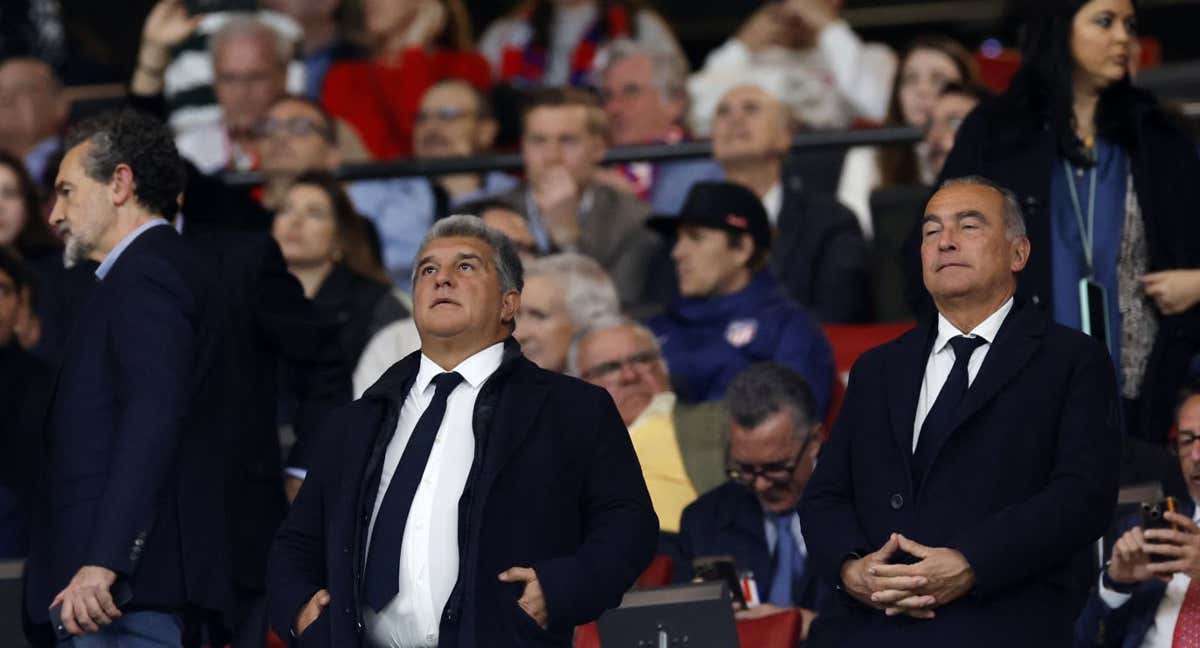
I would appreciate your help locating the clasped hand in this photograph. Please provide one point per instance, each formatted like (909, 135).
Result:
(940, 576)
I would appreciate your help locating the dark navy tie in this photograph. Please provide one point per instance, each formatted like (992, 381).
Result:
(383, 559)
(937, 423)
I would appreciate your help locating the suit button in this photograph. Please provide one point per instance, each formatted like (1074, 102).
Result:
(347, 611)
(897, 501)
(1037, 299)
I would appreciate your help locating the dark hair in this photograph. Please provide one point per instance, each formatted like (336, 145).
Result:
(972, 90)
(1043, 85)
(541, 18)
(12, 265)
(898, 164)
(1190, 390)
(763, 389)
(328, 123)
(35, 237)
(560, 97)
(141, 142)
(758, 259)
(351, 227)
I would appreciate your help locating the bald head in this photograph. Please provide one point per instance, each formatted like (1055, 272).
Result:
(31, 104)
(750, 124)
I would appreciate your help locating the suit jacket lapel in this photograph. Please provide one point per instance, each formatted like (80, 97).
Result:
(904, 375)
(744, 518)
(518, 405)
(1019, 337)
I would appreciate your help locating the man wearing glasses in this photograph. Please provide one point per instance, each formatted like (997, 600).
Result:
(678, 446)
(774, 438)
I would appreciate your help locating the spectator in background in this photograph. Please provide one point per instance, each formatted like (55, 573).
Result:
(562, 294)
(25, 383)
(504, 218)
(323, 42)
(32, 112)
(554, 42)
(567, 210)
(1072, 120)
(325, 246)
(644, 91)
(929, 64)
(298, 135)
(952, 107)
(213, 76)
(732, 312)
(413, 45)
(679, 446)
(25, 231)
(828, 76)
(774, 436)
(456, 120)
(819, 254)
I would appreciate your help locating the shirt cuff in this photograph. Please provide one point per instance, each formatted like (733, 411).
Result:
(298, 473)
(1110, 598)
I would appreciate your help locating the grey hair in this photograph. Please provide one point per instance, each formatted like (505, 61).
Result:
(509, 272)
(606, 323)
(763, 389)
(670, 70)
(588, 292)
(242, 24)
(1014, 220)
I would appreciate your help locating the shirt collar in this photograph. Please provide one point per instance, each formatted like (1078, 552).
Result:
(661, 405)
(773, 202)
(474, 370)
(111, 258)
(987, 329)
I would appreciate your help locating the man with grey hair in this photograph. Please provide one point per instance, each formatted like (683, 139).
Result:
(563, 293)
(679, 446)
(976, 458)
(468, 498)
(774, 438)
(644, 93)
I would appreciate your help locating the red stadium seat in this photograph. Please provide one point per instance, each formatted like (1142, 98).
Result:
(849, 341)
(659, 573)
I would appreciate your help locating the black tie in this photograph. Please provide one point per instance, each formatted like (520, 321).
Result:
(937, 423)
(383, 559)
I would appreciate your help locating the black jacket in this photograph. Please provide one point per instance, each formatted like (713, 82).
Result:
(1022, 487)
(359, 306)
(1013, 147)
(820, 257)
(555, 485)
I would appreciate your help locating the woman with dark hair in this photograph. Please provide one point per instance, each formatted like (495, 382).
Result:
(24, 229)
(413, 44)
(554, 42)
(929, 63)
(1108, 185)
(327, 248)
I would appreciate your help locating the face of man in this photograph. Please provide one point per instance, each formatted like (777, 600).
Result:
(558, 136)
(1188, 426)
(31, 108)
(966, 254)
(249, 78)
(706, 264)
(624, 362)
(750, 124)
(949, 111)
(84, 213)
(449, 124)
(781, 458)
(637, 111)
(295, 139)
(456, 293)
(544, 328)
(9, 300)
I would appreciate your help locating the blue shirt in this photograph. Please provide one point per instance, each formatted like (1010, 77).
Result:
(119, 248)
(1066, 241)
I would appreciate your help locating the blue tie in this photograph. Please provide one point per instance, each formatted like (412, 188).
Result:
(785, 562)
(383, 559)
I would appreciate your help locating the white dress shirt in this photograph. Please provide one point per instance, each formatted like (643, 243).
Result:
(773, 202)
(429, 554)
(1162, 632)
(941, 360)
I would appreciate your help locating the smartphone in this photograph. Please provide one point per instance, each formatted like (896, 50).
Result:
(197, 7)
(1153, 517)
(712, 569)
(1093, 309)
(121, 592)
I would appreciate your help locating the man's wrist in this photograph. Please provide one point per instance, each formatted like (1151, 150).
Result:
(1113, 584)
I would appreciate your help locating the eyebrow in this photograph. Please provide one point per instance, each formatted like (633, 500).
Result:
(969, 213)
(460, 257)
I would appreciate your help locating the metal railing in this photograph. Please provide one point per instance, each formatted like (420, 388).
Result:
(649, 153)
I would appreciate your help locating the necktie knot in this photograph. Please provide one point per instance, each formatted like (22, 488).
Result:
(445, 383)
(964, 346)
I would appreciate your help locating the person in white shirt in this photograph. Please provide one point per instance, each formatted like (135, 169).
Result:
(1149, 591)
(828, 75)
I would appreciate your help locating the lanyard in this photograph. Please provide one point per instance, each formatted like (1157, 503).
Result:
(1088, 234)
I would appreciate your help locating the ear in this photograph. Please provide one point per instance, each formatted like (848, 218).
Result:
(121, 186)
(485, 134)
(814, 446)
(1020, 254)
(510, 303)
(598, 149)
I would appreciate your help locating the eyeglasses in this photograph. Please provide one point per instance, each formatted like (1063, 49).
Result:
(1185, 439)
(607, 370)
(446, 114)
(776, 473)
(296, 127)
